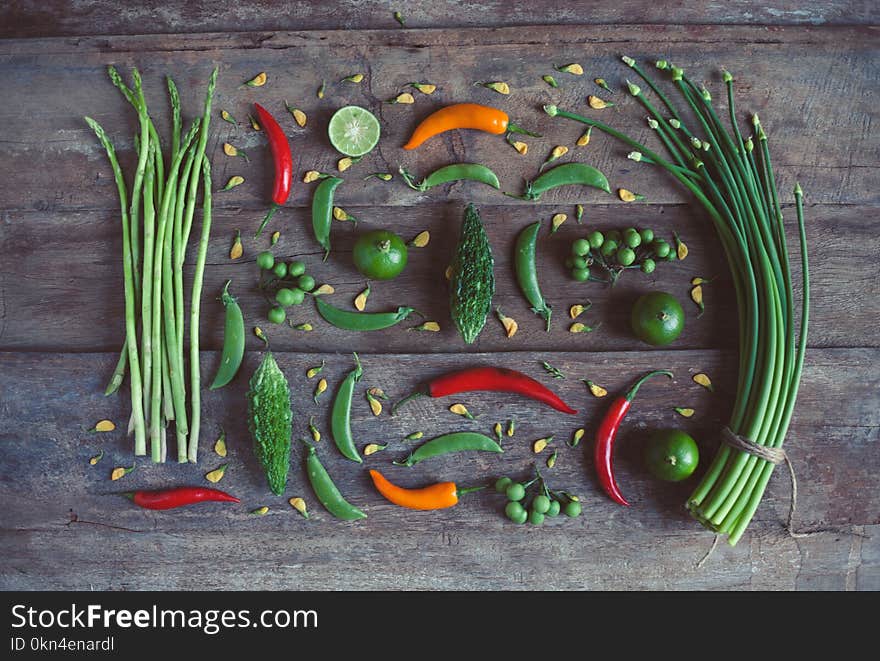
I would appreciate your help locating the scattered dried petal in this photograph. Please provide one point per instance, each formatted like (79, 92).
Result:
(421, 239)
(313, 430)
(233, 182)
(578, 327)
(399, 18)
(254, 124)
(416, 435)
(384, 176)
(577, 437)
(461, 409)
(601, 83)
(375, 405)
(595, 389)
(360, 301)
(315, 371)
(703, 380)
(573, 68)
(341, 214)
(550, 80)
(94, 460)
(556, 222)
(303, 327)
(577, 310)
(578, 212)
(448, 272)
(321, 89)
(257, 81)
(319, 389)
(558, 152)
(228, 118)
(313, 175)
(103, 426)
(511, 428)
(496, 86)
(540, 444)
(403, 97)
(324, 290)
(701, 281)
(120, 472)
(424, 88)
(520, 146)
(275, 237)
(298, 115)
(344, 163)
(598, 104)
(229, 149)
(499, 431)
(584, 140)
(373, 448)
(217, 474)
(628, 196)
(260, 511)
(551, 460)
(684, 412)
(354, 78)
(220, 444)
(429, 326)
(681, 250)
(510, 325)
(300, 506)
(697, 297)
(260, 334)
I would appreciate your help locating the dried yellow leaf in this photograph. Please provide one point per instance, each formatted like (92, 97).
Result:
(557, 221)
(233, 182)
(104, 425)
(577, 436)
(354, 78)
(303, 327)
(573, 68)
(497, 86)
(310, 176)
(540, 444)
(578, 327)
(596, 390)
(424, 88)
(584, 140)
(558, 151)
(681, 250)
(260, 511)
(321, 89)
(94, 460)
(120, 472)
(300, 506)
(520, 146)
(598, 104)
(344, 163)
(217, 474)
(229, 150)
(340, 214)
(510, 325)
(360, 301)
(684, 412)
(551, 460)
(499, 430)
(298, 116)
(260, 334)
(429, 326)
(703, 380)
(323, 290)
(461, 409)
(576, 311)
(627, 195)
(375, 405)
(511, 428)
(697, 295)
(237, 249)
(275, 237)
(314, 371)
(403, 97)
(421, 239)
(373, 448)
(220, 447)
(320, 388)
(416, 435)
(257, 81)
(227, 117)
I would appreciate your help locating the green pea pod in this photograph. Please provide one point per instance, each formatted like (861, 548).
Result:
(340, 417)
(565, 175)
(233, 340)
(360, 321)
(527, 272)
(454, 172)
(456, 442)
(322, 211)
(326, 490)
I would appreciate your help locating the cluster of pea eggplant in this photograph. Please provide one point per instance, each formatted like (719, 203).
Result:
(614, 252)
(534, 507)
(283, 284)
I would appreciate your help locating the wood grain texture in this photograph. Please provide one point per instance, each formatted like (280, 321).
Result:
(43, 481)
(30, 18)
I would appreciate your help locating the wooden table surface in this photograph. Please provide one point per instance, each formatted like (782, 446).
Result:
(811, 74)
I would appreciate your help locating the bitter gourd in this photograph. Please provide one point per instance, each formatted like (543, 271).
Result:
(269, 421)
(472, 281)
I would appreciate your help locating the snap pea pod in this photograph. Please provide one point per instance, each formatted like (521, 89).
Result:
(233, 340)
(527, 272)
(360, 321)
(455, 442)
(326, 491)
(454, 172)
(322, 211)
(340, 417)
(565, 175)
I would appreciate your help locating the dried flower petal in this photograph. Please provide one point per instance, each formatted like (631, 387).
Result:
(429, 326)
(577, 437)
(551, 460)
(584, 140)
(228, 118)
(373, 448)
(254, 124)
(703, 380)
(354, 78)
(684, 412)
(598, 104)
(300, 506)
(260, 511)
(499, 431)
(313, 175)
(220, 444)
(550, 80)
(257, 81)
(628, 196)
(578, 212)
(421, 239)
(511, 428)
(321, 89)
(313, 430)
(324, 290)
(556, 222)
(577, 310)
(540, 444)
(298, 115)
(120, 472)
(319, 389)
(344, 163)
(399, 18)
(496, 86)
(217, 474)
(403, 97)
(595, 389)
(103, 426)
(520, 146)
(260, 334)
(558, 151)
(601, 83)
(424, 88)
(510, 325)
(448, 272)
(461, 409)
(94, 460)
(384, 176)
(341, 214)
(229, 150)
(701, 281)
(681, 250)
(315, 371)
(375, 405)
(578, 327)
(573, 68)
(233, 182)
(303, 327)
(360, 301)
(697, 297)
(416, 435)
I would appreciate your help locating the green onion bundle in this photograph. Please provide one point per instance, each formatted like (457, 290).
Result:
(153, 271)
(733, 181)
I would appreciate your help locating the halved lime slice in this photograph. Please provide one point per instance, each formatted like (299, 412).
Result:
(353, 130)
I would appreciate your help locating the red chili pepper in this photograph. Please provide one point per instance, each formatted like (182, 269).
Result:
(606, 434)
(495, 379)
(166, 499)
(283, 162)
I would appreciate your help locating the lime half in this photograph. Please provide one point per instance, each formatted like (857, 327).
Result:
(353, 130)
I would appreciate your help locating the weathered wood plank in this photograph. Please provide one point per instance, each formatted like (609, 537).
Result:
(792, 77)
(61, 286)
(64, 18)
(45, 477)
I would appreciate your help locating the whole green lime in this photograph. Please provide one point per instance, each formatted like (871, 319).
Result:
(657, 318)
(380, 255)
(671, 455)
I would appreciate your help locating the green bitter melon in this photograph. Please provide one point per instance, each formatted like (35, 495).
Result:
(269, 421)
(472, 281)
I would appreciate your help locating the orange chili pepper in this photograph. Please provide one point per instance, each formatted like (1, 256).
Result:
(434, 497)
(463, 116)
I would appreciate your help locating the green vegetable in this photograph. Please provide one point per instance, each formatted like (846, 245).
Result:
(266, 260)
(527, 273)
(455, 442)
(326, 491)
(566, 174)
(233, 340)
(269, 421)
(360, 321)
(472, 284)
(340, 418)
(454, 172)
(322, 211)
